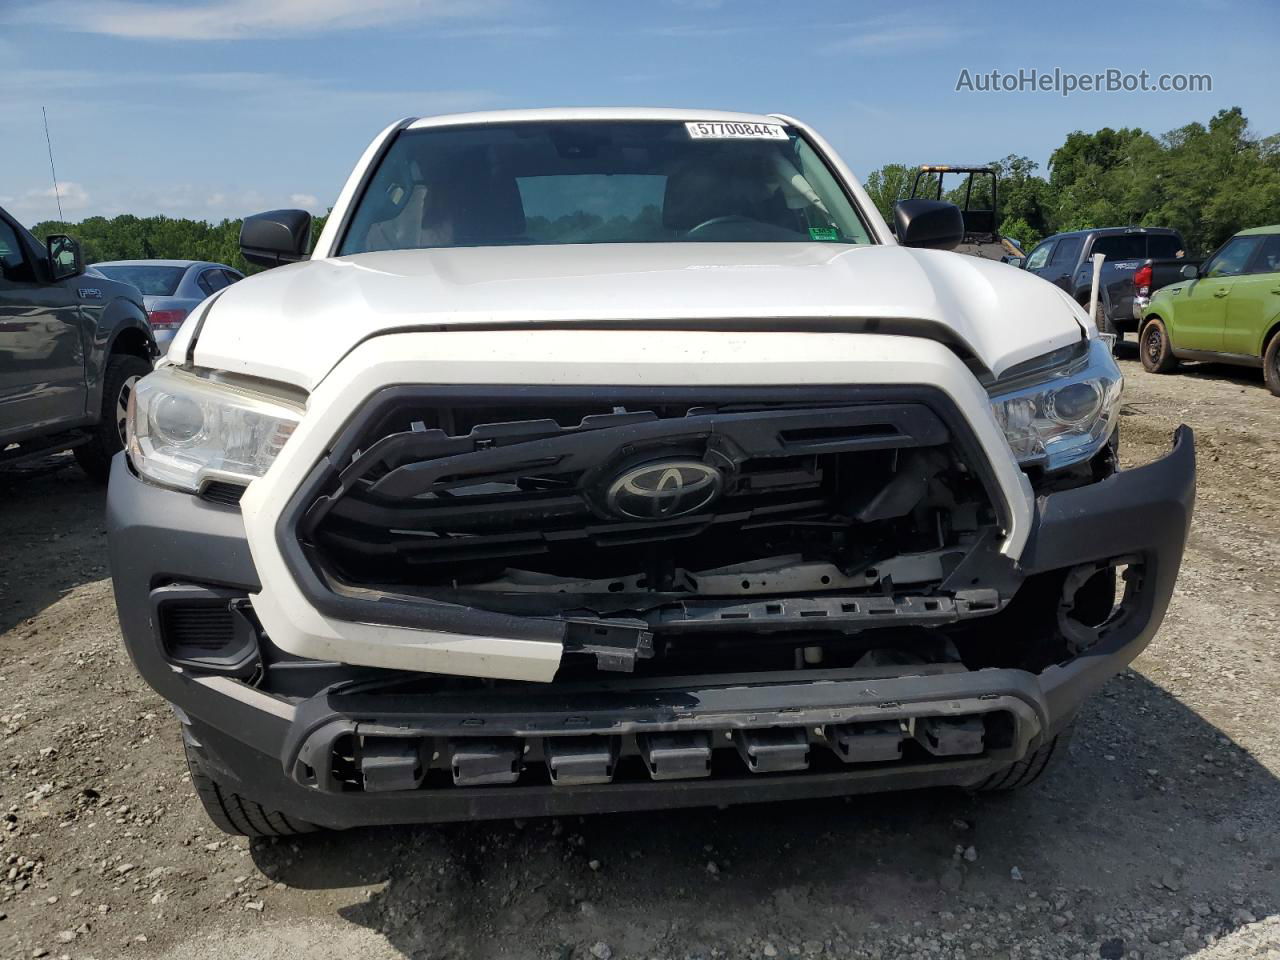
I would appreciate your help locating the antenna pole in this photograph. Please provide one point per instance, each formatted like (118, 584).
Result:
(49, 143)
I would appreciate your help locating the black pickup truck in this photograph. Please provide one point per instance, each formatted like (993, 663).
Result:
(1139, 261)
(71, 348)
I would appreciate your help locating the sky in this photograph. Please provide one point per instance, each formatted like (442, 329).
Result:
(219, 108)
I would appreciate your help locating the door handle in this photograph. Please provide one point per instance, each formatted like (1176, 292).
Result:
(1221, 293)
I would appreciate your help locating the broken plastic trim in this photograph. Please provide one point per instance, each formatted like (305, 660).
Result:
(1086, 620)
(379, 605)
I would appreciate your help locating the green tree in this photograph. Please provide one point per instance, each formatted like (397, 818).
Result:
(892, 183)
(127, 237)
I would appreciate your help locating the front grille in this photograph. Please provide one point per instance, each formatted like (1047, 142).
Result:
(652, 504)
(516, 498)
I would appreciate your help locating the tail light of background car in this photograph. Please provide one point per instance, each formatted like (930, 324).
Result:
(1142, 279)
(166, 319)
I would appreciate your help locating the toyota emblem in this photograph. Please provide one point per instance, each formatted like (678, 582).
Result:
(664, 490)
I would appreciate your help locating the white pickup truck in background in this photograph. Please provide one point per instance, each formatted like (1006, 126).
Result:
(608, 459)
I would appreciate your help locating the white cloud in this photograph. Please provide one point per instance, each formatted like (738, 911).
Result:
(699, 31)
(241, 19)
(305, 201)
(41, 203)
(896, 39)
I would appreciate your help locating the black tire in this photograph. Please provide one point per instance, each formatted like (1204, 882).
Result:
(1029, 769)
(1154, 348)
(1106, 326)
(232, 813)
(123, 371)
(1271, 365)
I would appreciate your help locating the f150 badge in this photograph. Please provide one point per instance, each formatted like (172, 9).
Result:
(90, 293)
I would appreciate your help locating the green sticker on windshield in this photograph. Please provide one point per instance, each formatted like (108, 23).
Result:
(823, 233)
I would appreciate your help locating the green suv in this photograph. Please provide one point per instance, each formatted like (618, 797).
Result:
(1227, 310)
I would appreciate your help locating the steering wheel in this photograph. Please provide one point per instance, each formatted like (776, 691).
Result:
(717, 221)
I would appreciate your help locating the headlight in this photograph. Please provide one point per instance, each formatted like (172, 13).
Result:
(1065, 414)
(182, 428)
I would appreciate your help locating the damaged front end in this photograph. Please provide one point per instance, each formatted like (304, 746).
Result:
(674, 531)
(753, 595)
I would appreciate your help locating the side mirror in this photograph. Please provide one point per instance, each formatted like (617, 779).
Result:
(276, 237)
(1190, 271)
(1014, 261)
(935, 224)
(65, 257)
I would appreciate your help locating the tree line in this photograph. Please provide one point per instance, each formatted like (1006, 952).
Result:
(1208, 181)
(127, 237)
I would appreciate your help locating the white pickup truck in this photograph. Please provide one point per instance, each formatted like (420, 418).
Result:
(609, 459)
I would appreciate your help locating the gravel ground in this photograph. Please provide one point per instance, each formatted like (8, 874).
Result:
(1157, 838)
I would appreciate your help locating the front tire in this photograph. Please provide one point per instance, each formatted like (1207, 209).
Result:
(1155, 349)
(1271, 365)
(123, 371)
(1029, 769)
(232, 813)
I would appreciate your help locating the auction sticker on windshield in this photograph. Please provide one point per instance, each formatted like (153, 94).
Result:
(734, 130)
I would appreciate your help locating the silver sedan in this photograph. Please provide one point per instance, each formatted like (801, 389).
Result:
(170, 289)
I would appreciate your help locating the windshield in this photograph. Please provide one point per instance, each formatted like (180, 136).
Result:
(150, 281)
(600, 182)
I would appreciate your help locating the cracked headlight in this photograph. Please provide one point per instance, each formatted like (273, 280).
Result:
(183, 429)
(1063, 414)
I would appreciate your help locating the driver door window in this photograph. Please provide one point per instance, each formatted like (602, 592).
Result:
(13, 263)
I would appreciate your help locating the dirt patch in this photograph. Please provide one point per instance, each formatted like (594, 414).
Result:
(1156, 839)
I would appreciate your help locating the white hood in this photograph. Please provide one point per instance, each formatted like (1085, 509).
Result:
(294, 323)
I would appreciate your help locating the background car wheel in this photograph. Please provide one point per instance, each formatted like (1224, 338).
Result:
(1106, 326)
(1155, 349)
(1030, 768)
(1271, 365)
(123, 371)
(232, 813)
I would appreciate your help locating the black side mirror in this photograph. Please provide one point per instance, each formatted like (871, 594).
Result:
(276, 237)
(1190, 271)
(1014, 261)
(935, 224)
(65, 257)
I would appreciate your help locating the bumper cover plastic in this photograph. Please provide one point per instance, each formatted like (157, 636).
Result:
(255, 741)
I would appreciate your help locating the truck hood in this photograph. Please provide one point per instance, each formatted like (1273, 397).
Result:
(294, 323)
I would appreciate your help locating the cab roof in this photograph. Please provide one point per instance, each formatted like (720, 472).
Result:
(592, 113)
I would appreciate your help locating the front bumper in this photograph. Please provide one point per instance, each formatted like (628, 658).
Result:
(280, 735)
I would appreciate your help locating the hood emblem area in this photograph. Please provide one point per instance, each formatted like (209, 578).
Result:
(664, 490)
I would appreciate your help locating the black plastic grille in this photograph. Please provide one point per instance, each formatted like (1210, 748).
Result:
(438, 495)
(890, 472)
(223, 491)
(197, 626)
